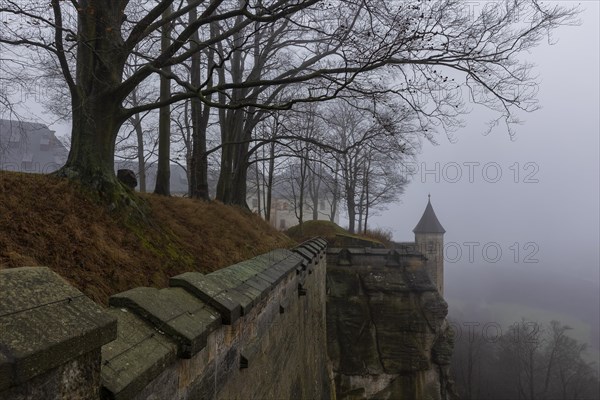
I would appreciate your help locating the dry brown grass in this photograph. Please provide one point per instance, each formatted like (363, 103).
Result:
(337, 236)
(382, 235)
(49, 221)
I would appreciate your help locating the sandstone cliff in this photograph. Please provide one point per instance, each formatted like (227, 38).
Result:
(387, 333)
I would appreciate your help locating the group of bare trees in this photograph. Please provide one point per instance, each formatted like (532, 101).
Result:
(227, 67)
(526, 361)
(347, 154)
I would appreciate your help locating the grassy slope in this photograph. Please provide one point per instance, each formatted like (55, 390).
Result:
(48, 221)
(334, 234)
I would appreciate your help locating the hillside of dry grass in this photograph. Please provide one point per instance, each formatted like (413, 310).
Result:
(337, 236)
(47, 221)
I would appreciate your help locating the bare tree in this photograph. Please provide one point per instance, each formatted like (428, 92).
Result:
(412, 44)
(529, 361)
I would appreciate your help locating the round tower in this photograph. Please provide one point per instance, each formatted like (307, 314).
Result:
(429, 238)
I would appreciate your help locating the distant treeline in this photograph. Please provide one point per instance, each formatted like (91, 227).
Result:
(525, 361)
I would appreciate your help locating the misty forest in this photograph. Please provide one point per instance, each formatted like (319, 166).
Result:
(306, 108)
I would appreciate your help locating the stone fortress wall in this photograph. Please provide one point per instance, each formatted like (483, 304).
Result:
(307, 323)
(252, 330)
(387, 333)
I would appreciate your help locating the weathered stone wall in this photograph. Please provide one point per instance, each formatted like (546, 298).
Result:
(387, 333)
(272, 347)
(256, 330)
(50, 337)
(252, 330)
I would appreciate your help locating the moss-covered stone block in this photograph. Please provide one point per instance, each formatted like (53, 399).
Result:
(174, 311)
(44, 323)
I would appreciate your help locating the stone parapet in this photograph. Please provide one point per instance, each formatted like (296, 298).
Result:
(180, 322)
(46, 323)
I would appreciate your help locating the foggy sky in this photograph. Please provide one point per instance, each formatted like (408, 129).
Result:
(559, 213)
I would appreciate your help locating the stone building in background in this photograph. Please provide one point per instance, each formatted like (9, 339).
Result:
(30, 147)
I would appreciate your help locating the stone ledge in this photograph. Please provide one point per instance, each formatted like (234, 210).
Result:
(215, 292)
(311, 246)
(45, 322)
(139, 355)
(306, 254)
(174, 311)
(234, 290)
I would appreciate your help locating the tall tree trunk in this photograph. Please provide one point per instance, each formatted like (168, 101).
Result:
(270, 178)
(136, 121)
(163, 173)
(336, 192)
(97, 107)
(315, 191)
(95, 127)
(241, 164)
(366, 215)
(351, 212)
(229, 177)
(140, 153)
(231, 123)
(198, 184)
(349, 186)
(232, 186)
(258, 189)
(367, 200)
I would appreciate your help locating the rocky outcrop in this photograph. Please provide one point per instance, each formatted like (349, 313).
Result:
(127, 177)
(387, 333)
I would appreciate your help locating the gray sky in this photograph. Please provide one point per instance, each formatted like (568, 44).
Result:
(558, 214)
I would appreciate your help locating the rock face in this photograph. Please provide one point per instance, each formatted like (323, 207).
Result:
(127, 177)
(387, 333)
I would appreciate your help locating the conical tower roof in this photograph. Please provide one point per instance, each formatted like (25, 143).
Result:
(429, 222)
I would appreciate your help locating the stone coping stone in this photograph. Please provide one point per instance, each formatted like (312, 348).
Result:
(215, 292)
(256, 265)
(290, 264)
(307, 254)
(185, 318)
(322, 244)
(253, 287)
(241, 271)
(312, 247)
(45, 322)
(138, 355)
(322, 241)
(250, 289)
(250, 285)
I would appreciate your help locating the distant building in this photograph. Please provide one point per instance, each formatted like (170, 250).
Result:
(30, 147)
(283, 214)
(284, 207)
(429, 238)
